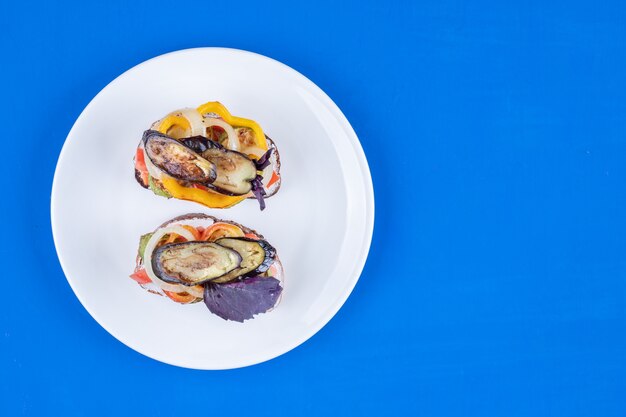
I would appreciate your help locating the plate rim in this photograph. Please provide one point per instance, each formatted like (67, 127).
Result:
(366, 177)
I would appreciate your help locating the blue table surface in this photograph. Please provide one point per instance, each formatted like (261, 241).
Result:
(496, 136)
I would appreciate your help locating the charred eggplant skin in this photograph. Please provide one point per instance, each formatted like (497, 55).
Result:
(193, 263)
(249, 267)
(176, 159)
(200, 144)
(270, 255)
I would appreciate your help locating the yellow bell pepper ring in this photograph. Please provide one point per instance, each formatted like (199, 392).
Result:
(177, 125)
(175, 122)
(219, 109)
(205, 197)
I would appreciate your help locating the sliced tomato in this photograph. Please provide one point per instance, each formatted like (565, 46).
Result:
(140, 165)
(219, 230)
(180, 297)
(214, 132)
(274, 178)
(141, 276)
(140, 160)
(251, 236)
(200, 187)
(197, 235)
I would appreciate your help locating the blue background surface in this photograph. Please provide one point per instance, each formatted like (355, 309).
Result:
(496, 139)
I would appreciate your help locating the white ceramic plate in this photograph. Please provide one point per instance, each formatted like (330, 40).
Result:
(320, 221)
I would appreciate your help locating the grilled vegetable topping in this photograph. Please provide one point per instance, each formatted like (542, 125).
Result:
(177, 160)
(193, 263)
(256, 257)
(235, 171)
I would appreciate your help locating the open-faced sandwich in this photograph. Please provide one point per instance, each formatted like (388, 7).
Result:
(208, 156)
(197, 257)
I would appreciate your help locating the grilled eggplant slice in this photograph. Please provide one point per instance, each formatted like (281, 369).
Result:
(193, 263)
(198, 144)
(177, 160)
(256, 257)
(235, 170)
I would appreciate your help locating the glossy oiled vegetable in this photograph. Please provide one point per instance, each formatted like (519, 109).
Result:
(242, 300)
(177, 160)
(192, 263)
(234, 170)
(256, 257)
(245, 162)
(185, 259)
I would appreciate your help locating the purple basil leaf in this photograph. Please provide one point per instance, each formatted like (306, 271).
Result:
(241, 300)
(258, 190)
(264, 160)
